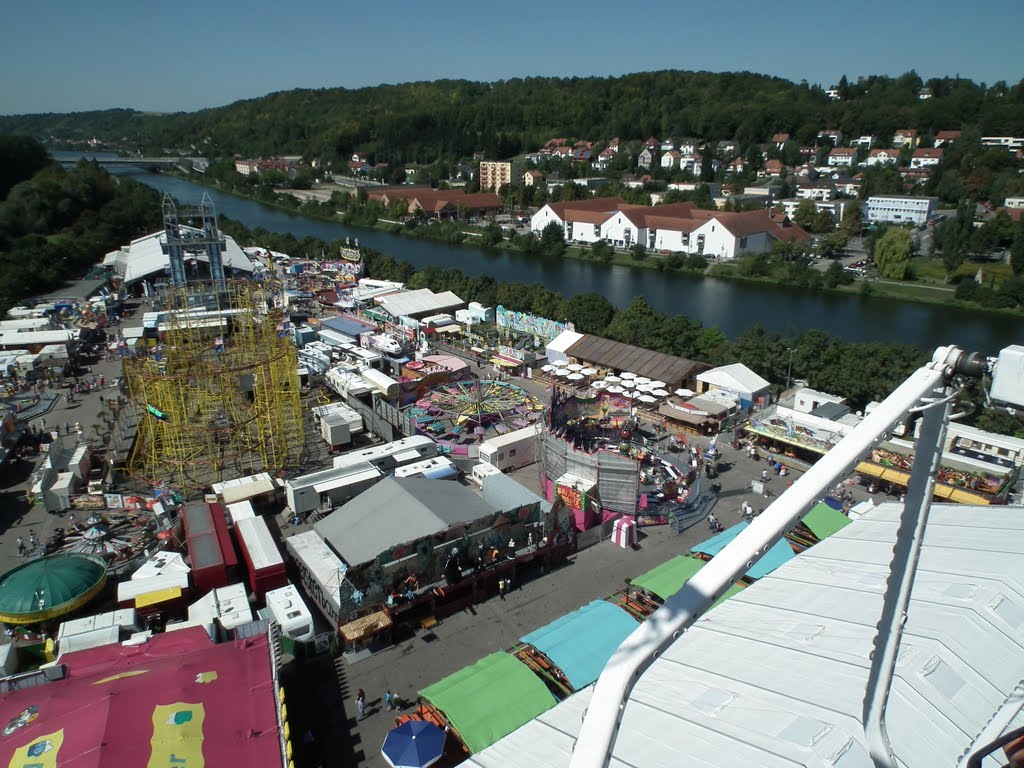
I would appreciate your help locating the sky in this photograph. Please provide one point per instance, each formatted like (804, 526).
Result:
(63, 56)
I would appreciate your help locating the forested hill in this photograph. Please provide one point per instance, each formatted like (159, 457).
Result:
(421, 122)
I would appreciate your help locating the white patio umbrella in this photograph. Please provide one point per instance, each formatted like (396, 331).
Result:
(658, 384)
(574, 367)
(548, 368)
(646, 399)
(615, 389)
(683, 392)
(562, 372)
(589, 371)
(627, 376)
(575, 377)
(632, 393)
(599, 384)
(612, 379)
(659, 392)
(644, 387)
(641, 380)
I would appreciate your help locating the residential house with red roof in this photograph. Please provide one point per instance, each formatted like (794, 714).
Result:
(842, 156)
(677, 227)
(924, 157)
(946, 137)
(886, 156)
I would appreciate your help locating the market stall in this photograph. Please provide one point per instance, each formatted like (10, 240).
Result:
(580, 643)
(489, 699)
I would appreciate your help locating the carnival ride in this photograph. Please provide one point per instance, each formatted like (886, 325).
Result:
(49, 587)
(218, 395)
(472, 408)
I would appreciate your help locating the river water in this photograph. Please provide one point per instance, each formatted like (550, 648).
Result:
(732, 306)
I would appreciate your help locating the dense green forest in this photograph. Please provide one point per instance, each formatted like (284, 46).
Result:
(55, 224)
(426, 121)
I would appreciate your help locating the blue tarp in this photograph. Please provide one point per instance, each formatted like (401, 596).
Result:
(778, 555)
(580, 643)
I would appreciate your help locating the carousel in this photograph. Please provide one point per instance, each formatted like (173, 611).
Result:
(50, 587)
(468, 410)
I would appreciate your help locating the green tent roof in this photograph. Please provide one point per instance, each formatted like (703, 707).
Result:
(490, 699)
(50, 587)
(824, 521)
(668, 578)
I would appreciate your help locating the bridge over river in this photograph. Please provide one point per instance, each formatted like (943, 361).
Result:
(149, 163)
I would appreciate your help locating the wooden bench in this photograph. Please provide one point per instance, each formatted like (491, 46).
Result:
(428, 622)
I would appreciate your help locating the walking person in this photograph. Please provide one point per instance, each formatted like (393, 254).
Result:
(21, 547)
(501, 588)
(764, 475)
(388, 700)
(361, 703)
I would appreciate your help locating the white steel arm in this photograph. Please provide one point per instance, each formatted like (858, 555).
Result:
(601, 722)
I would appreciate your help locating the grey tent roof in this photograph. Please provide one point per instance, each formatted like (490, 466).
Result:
(506, 494)
(396, 511)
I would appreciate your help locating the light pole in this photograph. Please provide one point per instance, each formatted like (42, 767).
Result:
(789, 370)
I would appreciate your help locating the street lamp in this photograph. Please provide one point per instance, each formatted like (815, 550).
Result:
(789, 370)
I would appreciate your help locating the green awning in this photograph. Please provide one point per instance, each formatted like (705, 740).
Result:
(669, 577)
(824, 521)
(490, 699)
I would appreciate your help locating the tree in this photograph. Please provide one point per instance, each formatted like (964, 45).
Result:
(638, 252)
(552, 239)
(835, 275)
(589, 312)
(602, 251)
(892, 254)
(1017, 249)
(805, 214)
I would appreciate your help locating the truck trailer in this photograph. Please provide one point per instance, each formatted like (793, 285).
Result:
(512, 450)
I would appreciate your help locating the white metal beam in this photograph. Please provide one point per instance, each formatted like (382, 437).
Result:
(601, 723)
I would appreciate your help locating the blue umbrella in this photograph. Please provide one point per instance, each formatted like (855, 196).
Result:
(413, 744)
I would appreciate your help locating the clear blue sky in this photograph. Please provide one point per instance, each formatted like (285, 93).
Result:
(63, 56)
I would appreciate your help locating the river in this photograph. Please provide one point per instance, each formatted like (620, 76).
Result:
(730, 305)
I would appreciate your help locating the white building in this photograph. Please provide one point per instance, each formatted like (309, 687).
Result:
(883, 157)
(1014, 202)
(842, 156)
(1012, 143)
(899, 209)
(924, 157)
(735, 379)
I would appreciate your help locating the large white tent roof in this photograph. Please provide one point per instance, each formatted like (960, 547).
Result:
(736, 377)
(144, 257)
(776, 675)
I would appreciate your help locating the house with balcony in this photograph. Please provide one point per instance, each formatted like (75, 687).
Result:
(842, 156)
(821, 190)
(924, 157)
(865, 142)
(883, 157)
(773, 168)
(946, 137)
(646, 158)
(779, 140)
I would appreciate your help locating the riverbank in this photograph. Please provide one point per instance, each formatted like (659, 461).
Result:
(922, 292)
